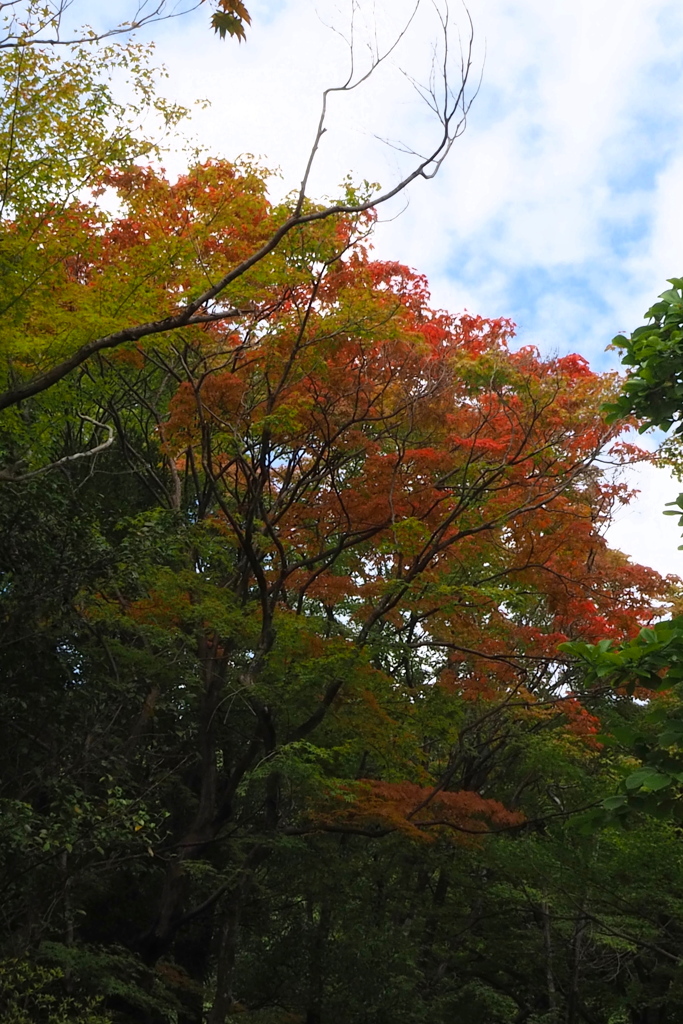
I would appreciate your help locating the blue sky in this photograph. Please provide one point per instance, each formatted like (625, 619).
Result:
(561, 206)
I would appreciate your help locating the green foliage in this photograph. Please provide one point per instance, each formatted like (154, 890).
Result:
(653, 659)
(60, 126)
(653, 390)
(30, 994)
(650, 662)
(116, 975)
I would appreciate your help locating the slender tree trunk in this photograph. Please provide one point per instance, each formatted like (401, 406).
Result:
(227, 949)
(68, 918)
(205, 825)
(316, 987)
(431, 927)
(214, 803)
(577, 944)
(229, 934)
(548, 943)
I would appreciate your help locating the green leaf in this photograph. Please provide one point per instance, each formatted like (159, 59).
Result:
(647, 779)
(612, 803)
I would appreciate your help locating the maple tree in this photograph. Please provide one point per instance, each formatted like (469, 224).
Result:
(315, 588)
(283, 577)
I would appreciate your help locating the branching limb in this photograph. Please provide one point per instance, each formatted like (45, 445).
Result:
(198, 310)
(21, 33)
(10, 474)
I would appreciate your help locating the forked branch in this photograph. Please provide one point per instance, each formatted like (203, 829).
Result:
(89, 453)
(451, 111)
(23, 28)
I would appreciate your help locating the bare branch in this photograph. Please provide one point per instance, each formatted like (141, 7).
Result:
(21, 34)
(10, 474)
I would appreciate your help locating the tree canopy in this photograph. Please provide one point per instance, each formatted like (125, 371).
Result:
(294, 569)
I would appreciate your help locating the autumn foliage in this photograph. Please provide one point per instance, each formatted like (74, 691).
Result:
(317, 585)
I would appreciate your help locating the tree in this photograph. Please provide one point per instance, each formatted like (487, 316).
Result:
(653, 390)
(313, 590)
(211, 298)
(282, 580)
(652, 660)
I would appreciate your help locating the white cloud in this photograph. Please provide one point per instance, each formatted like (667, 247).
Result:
(641, 530)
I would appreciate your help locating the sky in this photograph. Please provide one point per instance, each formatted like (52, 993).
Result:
(560, 205)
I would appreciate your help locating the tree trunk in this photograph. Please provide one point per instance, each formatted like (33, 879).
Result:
(223, 998)
(577, 942)
(548, 943)
(316, 971)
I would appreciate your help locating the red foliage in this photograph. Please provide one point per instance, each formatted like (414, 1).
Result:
(420, 812)
(376, 463)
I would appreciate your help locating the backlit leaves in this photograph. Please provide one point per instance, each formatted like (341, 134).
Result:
(230, 19)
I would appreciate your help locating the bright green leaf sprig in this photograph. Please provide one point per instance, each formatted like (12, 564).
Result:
(653, 390)
(652, 659)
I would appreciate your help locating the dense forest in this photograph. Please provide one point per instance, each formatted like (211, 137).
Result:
(324, 699)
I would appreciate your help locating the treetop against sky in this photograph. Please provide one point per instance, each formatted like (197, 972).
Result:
(558, 207)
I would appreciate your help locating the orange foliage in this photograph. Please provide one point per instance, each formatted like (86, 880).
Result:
(581, 722)
(374, 462)
(421, 812)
